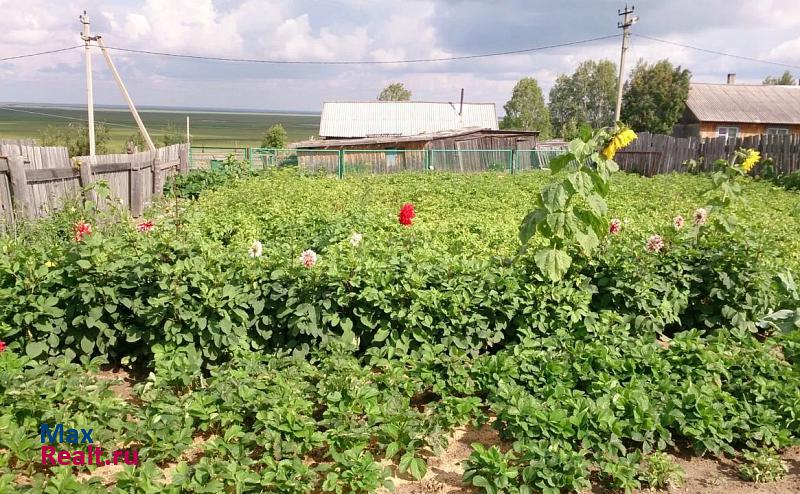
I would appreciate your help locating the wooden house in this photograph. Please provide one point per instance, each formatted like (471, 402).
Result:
(739, 110)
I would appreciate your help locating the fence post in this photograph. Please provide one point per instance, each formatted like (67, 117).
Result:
(19, 186)
(429, 154)
(184, 159)
(341, 164)
(158, 178)
(513, 160)
(86, 179)
(137, 189)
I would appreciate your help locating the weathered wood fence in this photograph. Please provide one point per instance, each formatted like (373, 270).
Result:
(652, 154)
(35, 180)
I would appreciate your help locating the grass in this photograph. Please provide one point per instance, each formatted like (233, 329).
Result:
(209, 128)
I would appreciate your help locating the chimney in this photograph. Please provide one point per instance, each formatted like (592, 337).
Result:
(731, 78)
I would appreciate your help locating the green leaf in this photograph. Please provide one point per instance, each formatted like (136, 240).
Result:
(597, 204)
(554, 197)
(87, 345)
(418, 468)
(527, 229)
(35, 348)
(587, 239)
(480, 481)
(560, 162)
(83, 263)
(581, 182)
(553, 263)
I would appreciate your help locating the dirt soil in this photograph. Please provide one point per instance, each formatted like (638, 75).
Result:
(703, 475)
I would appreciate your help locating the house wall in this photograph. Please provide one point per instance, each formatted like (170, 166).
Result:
(709, 129)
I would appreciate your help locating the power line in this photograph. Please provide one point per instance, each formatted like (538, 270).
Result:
(61, 116)
(714, 52)
(361, 62)
(15, 57)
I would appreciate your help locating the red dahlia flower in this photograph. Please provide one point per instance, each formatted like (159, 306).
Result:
(81, 229)
(145, 227)
(406, 214)
(2, 346)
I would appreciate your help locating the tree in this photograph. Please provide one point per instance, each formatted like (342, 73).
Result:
(275, 137)
(75, 137)
(395, 92)
(655, 96)
(171, 135)
(526, 109)
(785, 79)
(586, 97)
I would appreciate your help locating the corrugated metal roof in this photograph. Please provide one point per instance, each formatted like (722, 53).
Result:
(745, 103)
(401, 118)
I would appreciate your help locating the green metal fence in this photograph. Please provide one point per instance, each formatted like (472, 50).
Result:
(346, 162)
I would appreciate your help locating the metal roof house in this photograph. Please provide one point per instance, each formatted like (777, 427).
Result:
(740, 110)
(354, 119)
(386, 136)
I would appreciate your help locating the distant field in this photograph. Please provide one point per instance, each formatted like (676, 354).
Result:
(209, 128)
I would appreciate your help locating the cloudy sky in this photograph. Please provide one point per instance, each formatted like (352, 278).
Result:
(369, 30)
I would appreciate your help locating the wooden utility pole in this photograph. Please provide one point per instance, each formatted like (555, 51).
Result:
(86, 35)
(125, 94)
(628, 20)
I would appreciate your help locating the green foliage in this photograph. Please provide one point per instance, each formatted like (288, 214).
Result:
(354, 471)
(526, 110)
(171, 134)
(763, 465)
(785, 79)
(275, 138)
(490, 470)
(75, 137)
(587, 97)
(190, 185)
(570, 214)
(659, 471)
(655, 96)
(395, 92)
(266, 376)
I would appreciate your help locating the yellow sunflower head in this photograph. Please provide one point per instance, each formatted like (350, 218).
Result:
(750, 160)
(610, 150)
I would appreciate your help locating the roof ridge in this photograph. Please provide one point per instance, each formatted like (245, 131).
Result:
(426, 102)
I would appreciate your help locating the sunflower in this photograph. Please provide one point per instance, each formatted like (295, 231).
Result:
(750, 160)
(619, 141)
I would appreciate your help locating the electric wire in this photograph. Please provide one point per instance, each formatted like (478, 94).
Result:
(715, 52)
(329, 62)
(48, 52)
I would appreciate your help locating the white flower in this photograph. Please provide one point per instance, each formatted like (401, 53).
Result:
(356, 239)
(256, 249)
(678, 222)
(700, 216)
(308, 258)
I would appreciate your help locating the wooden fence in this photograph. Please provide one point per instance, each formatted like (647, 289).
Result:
(652, 154)
(35, 180)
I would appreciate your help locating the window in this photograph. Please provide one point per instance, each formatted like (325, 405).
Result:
(728, 132)
(777, 131)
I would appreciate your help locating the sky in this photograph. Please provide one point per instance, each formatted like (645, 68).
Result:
(369, 30)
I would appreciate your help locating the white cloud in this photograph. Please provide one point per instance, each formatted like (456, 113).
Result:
(372, 30)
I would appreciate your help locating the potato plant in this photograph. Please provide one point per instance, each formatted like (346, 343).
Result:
(293, 333)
